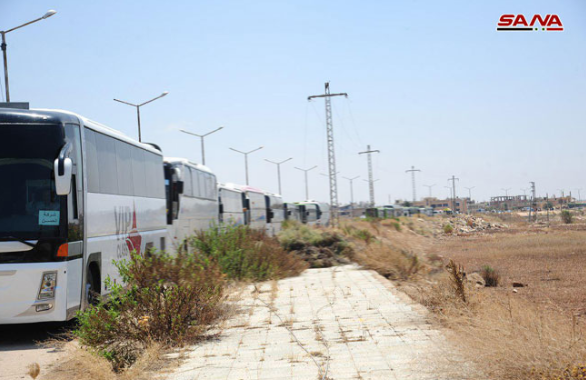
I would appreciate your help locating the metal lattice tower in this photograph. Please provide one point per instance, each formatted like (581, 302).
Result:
(413, 170)
(331, 148)
(371, 181)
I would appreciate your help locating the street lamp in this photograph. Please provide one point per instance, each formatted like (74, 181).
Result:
(352, 190)
(138, 109)
(203, 155)
(429, 187)
(3, 33)
(449, 190)
(246, 159)
(306, 186)
(279, 170)
(506, 191)
(470, 192)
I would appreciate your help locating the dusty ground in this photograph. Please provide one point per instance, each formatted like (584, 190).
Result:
(335, 323)
(20, 347)
(550, 262)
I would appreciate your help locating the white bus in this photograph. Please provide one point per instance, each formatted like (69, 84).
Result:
(192, 199)
(254, 205)
(292, 212)
(275, 209)
(75, 196)
(232, 205)
(314, 213)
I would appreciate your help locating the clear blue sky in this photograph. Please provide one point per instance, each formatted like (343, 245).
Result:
(431, 84)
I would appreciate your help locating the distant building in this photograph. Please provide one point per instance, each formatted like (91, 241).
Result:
(510, 202)
(461, 204)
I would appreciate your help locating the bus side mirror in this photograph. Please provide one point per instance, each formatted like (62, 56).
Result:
(63, 167)
(179, 187)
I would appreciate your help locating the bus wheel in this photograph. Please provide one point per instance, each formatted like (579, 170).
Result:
(93, 287)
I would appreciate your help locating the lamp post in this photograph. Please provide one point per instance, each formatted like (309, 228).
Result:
(506, 191)
(450, 190)
(306, 185)
(352, 190)
(203, 154)
(3, 33)
(246, 159)
(279, 170)
(138, 109)
(429, 187)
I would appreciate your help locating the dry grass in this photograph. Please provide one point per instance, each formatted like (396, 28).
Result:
(506, 335)
(82, 364)
(34, 370)
(550, 263)
(531, 332)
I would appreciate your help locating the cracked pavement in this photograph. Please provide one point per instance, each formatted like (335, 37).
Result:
(336, 323)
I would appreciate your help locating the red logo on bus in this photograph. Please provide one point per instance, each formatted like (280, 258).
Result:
(536, 22)
(134, 240)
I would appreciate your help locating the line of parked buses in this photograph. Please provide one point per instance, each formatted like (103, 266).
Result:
(77, 196)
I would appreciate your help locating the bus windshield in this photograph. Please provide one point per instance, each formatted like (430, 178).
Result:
(29, 206)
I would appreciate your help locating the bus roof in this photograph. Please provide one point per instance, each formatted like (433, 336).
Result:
(242, 188)
(185, 161)
(10, 115)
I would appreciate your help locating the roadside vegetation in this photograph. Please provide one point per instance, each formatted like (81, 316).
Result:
(169, 300)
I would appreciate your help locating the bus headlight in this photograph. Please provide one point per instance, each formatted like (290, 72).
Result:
(47, 289)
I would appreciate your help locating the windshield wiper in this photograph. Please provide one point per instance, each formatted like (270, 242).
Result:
(9, 238)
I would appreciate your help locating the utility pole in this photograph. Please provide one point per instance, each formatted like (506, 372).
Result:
(246, 159)
(279, 170)
(454, 179)
(413, 170)
(579, 197)
(203, 152)
(561, 201)
(371, 187)
(533, 202)
(370, 180)
(352, 191)
(306, 185)
(429, 187)
(469, 196)
(331, 151)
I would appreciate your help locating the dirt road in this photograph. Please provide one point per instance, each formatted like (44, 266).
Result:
(20, 346)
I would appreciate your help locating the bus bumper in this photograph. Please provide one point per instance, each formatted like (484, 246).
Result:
(19, 292)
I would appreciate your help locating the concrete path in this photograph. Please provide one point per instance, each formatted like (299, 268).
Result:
(334, 323)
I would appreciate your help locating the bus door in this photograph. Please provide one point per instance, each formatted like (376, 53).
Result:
(75, 220)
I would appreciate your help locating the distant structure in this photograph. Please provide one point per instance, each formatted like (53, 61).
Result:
(454, 204)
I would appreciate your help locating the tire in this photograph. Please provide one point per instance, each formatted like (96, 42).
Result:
(92, 296)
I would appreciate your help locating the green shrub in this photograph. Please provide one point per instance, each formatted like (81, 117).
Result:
(567, 217)
(396, 226)
(490, 275)
(448, 229)
(246, 254)
(166, 299)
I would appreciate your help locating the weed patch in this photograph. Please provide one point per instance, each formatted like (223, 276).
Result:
(167, 299)
(246, 254)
